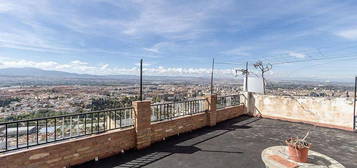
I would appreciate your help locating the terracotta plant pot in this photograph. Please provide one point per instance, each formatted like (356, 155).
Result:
(298, 153)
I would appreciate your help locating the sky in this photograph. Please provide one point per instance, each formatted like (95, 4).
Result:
(301, 39)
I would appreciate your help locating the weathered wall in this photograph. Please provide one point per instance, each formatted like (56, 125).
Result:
(230, 112)
(76, 151)
(328, 112)
(163, 129)
(71, 152)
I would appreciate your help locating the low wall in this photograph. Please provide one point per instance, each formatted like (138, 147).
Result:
(71, 152)
(80, 150)
(230, 112)
(163, 129)
(321, 111)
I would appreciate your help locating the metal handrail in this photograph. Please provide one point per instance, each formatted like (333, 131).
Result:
(203, 99)
(65, 115)
(222, 101)
(27, 133)
(171, 110)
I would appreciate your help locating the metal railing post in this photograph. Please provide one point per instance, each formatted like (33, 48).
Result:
(141, 80)
(212, 76)
(354, 105)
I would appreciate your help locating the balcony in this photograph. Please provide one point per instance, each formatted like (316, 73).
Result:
(214, 131)
(234, 143)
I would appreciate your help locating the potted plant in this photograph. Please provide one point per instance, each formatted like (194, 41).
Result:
(298, 149)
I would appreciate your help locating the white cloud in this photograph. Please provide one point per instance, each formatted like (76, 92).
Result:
(179, 21)
(155, 18)
(130, 31)
(296, 54)
(79, 62)
(157, 48)
(43, 38)
(81, 67)
(105, 66)
(241, 51)
(23, 40)
(350, 34)
(144, 64)
(26, 63)
(153, 49)
(174, 71)
(5, 7)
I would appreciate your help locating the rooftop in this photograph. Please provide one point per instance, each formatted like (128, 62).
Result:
(234, 143)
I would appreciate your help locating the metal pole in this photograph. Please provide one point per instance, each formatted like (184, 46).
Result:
(141, 80)
(354, 105)
(212, 76)
(263, 82)
(246, 77)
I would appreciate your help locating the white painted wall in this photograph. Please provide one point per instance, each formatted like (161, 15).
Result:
(324, 110)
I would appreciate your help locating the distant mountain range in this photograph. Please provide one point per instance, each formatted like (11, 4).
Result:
(34, 72)
(35, 75)
(39, 73)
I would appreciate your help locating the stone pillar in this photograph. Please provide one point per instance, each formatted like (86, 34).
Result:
(211, 104)
(249, 103)
(245, 100)
(142, 118)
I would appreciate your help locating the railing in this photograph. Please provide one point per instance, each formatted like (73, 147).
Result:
(26, 133)
(354, 106)
(227, 101)
(167, 111)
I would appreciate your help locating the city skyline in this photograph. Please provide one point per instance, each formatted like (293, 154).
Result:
(305, 39)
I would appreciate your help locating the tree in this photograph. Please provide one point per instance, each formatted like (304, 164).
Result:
(263, 68)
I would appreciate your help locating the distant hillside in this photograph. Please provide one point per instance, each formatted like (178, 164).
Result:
(39, 73)
(34, 72)
(34, 76)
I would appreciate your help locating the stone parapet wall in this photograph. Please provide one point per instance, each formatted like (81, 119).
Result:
(142, 134)
(71, 152)
(163, 129)
(230, 112)
(321, 111)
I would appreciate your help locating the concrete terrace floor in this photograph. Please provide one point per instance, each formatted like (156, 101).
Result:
(234, 143)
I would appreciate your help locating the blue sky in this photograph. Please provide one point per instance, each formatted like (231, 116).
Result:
(181, 37)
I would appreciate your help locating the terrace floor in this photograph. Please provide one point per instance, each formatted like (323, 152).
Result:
(234, 143)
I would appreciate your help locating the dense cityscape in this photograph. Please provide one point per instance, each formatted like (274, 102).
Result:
(55, 100)
(25, 102)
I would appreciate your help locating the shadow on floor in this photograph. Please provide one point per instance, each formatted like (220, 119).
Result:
(173, 145)
(319, 161)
